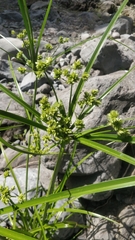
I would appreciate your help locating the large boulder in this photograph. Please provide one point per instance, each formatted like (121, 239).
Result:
(112, 57)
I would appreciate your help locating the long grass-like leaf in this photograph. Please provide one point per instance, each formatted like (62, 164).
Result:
(5, 128)
(107, 150)
(20, 101)
(43, 26)
(12, 234)
(111, 138)
(10, 167)
(81, 211)
(28, 26)
(94, 56)
(16, 118)
(17, 149)
(76, 192)
(17, 86)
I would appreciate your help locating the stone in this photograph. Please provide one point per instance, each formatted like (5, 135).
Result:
(45, 176)
(88, 49)
(67, 233)
(126, 231)
(28, 81)
(100, 29)
(38, 4)
(44, 88)
(5, 71)
(124, 25)
(13, 107)
(20, 174)
(103, 230)
(16, 160)
(85, 36)
(30, 2)
(108, 6)
(115, 35)
(39, 96)
(11, 16)
(9, 47)
(112, 57)
(63, 34)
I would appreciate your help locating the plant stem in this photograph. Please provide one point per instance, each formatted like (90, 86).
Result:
(53, 179)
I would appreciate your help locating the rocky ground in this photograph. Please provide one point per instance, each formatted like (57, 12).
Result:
(77, 20)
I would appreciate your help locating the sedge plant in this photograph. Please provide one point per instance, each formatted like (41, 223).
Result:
(60, 128)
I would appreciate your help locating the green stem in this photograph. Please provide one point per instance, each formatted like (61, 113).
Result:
(53, 179)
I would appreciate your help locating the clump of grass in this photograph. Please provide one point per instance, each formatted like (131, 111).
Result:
(60, 129)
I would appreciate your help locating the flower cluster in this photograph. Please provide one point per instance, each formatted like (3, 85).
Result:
(117, 123)
(71, 75)
(5, 193)
(42, 65)
(89, 99)
(21, 198)
(77, 65)
(48, 46)
(58, 126)
(35, 147)
(63, 40)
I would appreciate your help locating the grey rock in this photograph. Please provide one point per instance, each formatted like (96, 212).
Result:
(80, 181)
(3, 30)
(72, 59)
(61, 87)
(28, 81)
(124, 25)
(16, 160)
(90, 17)
(5, 71)
(20, 174)
(108, 7)
(9, 155)
(88, 49)
(37, 14)
(11, 16)
(109, 52)
(39, 96)
(100, 29)
(60, 50)
(38, 5)
(112, 57)
(45, 88)
(45, 176)
(63, 48)
(126, 231)
(80, 5)
(42, 48)
(63, 34)
(102, 229)
(66, 233)
(115, 35)
(127, 52)
(85, 35)
(12, 106)
(8, 47)
(76, 51)
(63, 62)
